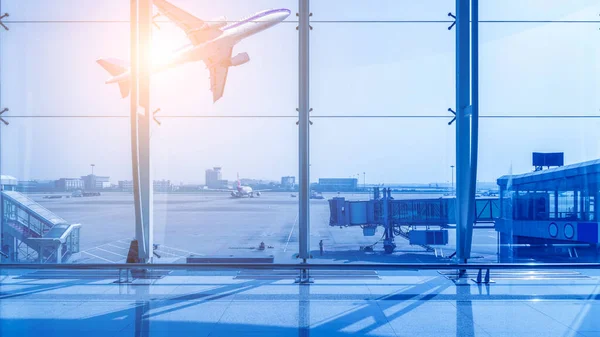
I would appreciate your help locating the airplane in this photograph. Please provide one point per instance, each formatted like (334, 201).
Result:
(244, 191)
(211, 42)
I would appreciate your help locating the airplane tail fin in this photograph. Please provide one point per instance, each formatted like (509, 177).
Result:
(238, 180)
(116, 67)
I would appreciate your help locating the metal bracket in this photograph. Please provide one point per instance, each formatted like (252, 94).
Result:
(304, 277)
(453, 119)
(310, 122)
(309, 26)
(126, 280)
(2, 119)
(154, 116)
(5, 15)
(453, 23)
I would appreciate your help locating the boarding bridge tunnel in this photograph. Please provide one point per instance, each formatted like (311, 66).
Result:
(393, 214)
(31, 233)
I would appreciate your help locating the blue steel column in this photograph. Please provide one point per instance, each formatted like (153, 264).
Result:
(303, 132)
(145, 124)
(462, 128)
(141, 31)
(139, 229)
(474, 123)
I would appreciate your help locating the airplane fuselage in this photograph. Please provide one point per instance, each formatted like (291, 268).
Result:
(230, 36)
(243, 191)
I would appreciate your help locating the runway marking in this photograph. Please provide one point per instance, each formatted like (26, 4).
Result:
(108, 251)
(98, 257)
(290, 236)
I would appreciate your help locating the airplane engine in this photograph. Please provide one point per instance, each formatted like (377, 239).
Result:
(239, 59)
(215, 23)
(258, 194)
(233, 194)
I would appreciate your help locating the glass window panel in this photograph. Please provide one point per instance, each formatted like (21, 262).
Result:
(548, 69)
(381, 10)
(539, 10)
(407, 70)
(118, 10)
(38, 152)
(50, 69)
(201, 215)
(411, 156)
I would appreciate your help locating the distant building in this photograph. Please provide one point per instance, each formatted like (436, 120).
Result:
(69, 184)
(214, 179)
(162, 186)
(36, 186)
(158, 185)
(94, 182)
(188, 188)
(126, 185)
(288, 182)
(8, 183)
(337, 184)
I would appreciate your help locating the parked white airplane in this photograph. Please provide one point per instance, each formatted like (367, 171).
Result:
(211, 42)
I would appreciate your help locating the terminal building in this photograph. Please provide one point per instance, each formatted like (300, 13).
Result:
(29, 186)
(125, 185)
(159, 185)
(94, 182)
(336, 185)
(162, 186)
(69, 184)
(288, 182)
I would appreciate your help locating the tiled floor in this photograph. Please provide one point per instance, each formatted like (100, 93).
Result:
(404, 304)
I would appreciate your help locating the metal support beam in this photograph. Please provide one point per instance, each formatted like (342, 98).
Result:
(303, 130)
(575, 203)
(463, 138)
(556, 203)
(474, 112)
(467, 122)
(139, 229)
(141, 35)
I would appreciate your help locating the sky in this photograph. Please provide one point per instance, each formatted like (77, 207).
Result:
(47, 68)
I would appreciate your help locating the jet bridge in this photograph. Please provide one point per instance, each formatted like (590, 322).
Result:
(31, 233)
(417, 216)
(551, 213)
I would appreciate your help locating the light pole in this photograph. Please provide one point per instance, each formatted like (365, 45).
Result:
(452, 188)
(92, 165)
(364, 181)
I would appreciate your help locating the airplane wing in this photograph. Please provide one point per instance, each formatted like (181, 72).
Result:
(196, 29)
(218, 73)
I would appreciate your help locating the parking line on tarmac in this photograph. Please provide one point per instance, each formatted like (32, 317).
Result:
(183, 251)
(290, 236)
(108, 251)
(98, 257)
(110, 244)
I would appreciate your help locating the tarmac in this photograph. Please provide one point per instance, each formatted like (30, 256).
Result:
(215, 224)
